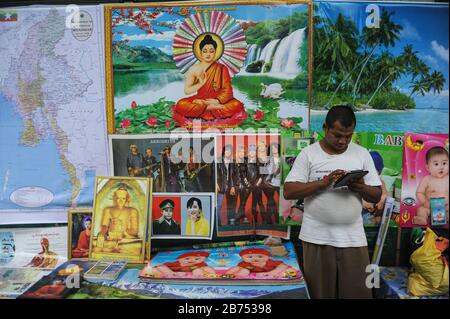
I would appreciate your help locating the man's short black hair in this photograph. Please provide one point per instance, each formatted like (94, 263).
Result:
(342, 114)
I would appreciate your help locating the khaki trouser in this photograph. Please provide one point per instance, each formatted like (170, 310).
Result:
(332, 272)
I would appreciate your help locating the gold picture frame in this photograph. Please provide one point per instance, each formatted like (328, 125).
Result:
(162, 122)
(120, 218)
(84, 214)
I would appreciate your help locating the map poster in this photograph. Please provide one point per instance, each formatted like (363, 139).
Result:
(208, 64)
(39, 248)
(52, 112)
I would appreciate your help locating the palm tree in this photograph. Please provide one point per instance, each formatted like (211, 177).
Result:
(419, 86)
(386, 35)
(436, 81)
(390, 68)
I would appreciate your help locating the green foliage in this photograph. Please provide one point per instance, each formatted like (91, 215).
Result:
(392, 101)
(267, 66)
(299, 82)
(347, 60)
(263, 32)
(138, 116)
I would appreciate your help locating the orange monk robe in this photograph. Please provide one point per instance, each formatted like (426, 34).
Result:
(82, 249)
(217, 86)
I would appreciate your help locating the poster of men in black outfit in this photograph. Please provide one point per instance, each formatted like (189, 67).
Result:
(175, 163)
(248, 184)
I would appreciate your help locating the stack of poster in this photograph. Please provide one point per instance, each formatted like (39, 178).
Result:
(234, 265)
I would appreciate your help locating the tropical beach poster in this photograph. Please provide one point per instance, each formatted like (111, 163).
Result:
(389, 61)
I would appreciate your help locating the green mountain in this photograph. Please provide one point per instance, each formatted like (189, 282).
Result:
(127, 56)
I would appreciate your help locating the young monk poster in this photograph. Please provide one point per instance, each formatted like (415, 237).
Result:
(204, 65)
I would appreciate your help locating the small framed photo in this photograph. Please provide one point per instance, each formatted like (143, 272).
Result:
(79, 233)
(120, 218)
(188, 215)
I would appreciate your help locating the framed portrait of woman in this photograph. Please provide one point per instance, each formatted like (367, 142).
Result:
(79, 233)
(208, 64)
(120, 218)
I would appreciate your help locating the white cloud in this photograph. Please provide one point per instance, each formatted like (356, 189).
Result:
(439, 50)
(431, 61)
(167, 49)
(165, 36)
(409, 31)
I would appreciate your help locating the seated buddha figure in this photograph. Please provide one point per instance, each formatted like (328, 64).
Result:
(210, 83)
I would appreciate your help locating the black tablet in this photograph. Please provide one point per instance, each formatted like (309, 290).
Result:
(349, 177)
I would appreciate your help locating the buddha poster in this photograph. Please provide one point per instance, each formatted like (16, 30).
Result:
(207, 65)
(120, 218)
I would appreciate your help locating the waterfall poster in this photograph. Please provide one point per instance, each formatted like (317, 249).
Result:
(197, 65)
(388, 61)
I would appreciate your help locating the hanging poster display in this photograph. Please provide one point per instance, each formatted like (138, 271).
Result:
(52, 112)
(389, 61)
(210, 64)
(425, 181)
(248, 185)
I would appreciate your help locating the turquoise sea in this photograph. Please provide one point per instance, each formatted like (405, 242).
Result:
(418, 120)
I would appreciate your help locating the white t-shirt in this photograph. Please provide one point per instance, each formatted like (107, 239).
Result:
(333, 216)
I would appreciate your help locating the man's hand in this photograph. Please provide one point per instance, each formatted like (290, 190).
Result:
(357, 186)
(332, 177)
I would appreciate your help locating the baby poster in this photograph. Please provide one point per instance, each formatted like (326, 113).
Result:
(425, 181)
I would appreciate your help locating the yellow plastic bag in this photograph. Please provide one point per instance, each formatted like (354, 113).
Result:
(431, 273)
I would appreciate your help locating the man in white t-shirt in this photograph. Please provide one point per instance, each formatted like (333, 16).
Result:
(335, 254)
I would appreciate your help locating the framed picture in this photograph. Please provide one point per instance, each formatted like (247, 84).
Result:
(189, 215)
(208, 64)
(248, 169)
(176, 163)
(79, 231)
(120, 218)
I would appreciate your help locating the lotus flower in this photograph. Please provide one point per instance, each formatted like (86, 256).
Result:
(287, 123)
(168, 124)
(152, 121)
(258, 116)
(125, 123)
(133, 105)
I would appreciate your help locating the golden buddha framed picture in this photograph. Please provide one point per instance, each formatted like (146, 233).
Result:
(120, 218)
(79, 232)
(208, 65)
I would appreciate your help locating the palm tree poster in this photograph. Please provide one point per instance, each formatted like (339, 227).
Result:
(388, 61)
(208, 65)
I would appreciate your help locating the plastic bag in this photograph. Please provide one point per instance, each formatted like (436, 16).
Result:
(431, 273)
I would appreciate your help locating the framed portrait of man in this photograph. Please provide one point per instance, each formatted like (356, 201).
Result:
(120, 218)
(79, 232)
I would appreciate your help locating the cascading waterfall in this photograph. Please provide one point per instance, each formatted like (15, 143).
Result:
(267, 52)
(252, 54)
(286, 58)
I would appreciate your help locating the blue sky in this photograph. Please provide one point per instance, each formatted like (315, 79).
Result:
(425, 26)
(164, 41)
